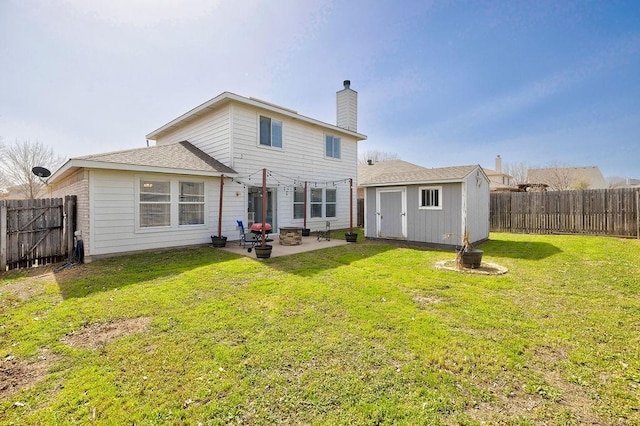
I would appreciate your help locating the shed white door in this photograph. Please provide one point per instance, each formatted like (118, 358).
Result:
(391, 214)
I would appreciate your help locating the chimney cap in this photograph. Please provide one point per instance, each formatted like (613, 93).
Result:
(346, 83)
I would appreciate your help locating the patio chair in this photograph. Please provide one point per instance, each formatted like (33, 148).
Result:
(245, 238)
(326, 234)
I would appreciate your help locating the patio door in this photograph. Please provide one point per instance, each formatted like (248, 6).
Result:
(391, 215)
(254, 207)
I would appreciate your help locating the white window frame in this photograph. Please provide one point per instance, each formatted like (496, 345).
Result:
(192, 202)
(335, 141)
(323, 203)
(299, 190)
(271, 121)
(174, 209)
(334, 203)
(421, 202)
(150, 182)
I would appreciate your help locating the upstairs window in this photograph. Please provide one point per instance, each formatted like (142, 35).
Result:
(430, 198)
(332, 146)
(270, 132)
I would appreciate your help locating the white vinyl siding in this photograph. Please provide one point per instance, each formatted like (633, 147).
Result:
(114, 214)
(231, 134)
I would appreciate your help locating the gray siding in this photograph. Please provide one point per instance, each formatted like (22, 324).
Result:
(370, 213)
(477, 208)
(430, 226)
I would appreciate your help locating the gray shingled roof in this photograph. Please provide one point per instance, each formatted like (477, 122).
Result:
(181, 155)
(554, 176)
(401, 172)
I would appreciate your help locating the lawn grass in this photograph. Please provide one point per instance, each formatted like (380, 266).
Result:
(359, 334)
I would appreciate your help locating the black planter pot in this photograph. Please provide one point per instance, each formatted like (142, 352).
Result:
(218, 241)
(263, 252)
(306, 232)
(472, 258)
(351, 238)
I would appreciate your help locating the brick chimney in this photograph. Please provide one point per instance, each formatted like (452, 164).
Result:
(347, 108)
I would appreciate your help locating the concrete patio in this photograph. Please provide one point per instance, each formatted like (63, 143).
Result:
(309, 243)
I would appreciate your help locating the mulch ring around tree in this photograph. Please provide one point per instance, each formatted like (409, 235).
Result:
(486, 268)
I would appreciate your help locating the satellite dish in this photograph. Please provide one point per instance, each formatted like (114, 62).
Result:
(41, 172)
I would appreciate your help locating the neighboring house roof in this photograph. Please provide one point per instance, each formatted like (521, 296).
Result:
(181, 157)
(567, 177)
(398, 172)
(227, 97)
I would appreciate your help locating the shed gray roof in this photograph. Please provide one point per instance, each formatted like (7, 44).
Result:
(181, 158)
(396, 172)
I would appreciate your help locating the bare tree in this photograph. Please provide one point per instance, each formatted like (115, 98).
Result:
(376, 156)
(558, 177)
(18, 159)
(4, 181)
(517, 171)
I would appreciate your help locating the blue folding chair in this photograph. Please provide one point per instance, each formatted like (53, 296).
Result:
(244, 237)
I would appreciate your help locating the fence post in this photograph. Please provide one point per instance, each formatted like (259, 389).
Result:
(3, 236)
(638, 214)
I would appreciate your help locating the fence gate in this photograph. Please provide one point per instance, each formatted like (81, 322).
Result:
(36, 232)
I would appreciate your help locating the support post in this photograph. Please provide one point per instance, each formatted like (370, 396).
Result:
(305, 205)
(220, 207)
(264, 207)
(351, 205)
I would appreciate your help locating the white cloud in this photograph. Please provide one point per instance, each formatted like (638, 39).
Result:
(144, 12)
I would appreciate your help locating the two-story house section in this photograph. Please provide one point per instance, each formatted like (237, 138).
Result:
(169, 194)
(249, 134)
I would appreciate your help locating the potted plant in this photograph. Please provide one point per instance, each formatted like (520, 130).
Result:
(351, 237)
(468, 257)
(263, 252)
(218, 241)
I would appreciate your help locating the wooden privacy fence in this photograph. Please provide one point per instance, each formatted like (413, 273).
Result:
(612, 212)
(36, 232)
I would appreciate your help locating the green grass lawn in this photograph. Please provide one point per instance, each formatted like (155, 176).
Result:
(358, 334)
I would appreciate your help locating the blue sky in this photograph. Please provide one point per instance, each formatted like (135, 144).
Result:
(440, 83)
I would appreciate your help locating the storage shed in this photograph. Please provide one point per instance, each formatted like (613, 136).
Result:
(434, 206)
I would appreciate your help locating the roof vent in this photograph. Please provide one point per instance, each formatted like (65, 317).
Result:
(347, 83)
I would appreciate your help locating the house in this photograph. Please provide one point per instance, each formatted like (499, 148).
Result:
(568, 178)
(498, 180)
(421, 205)
(211, 160)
